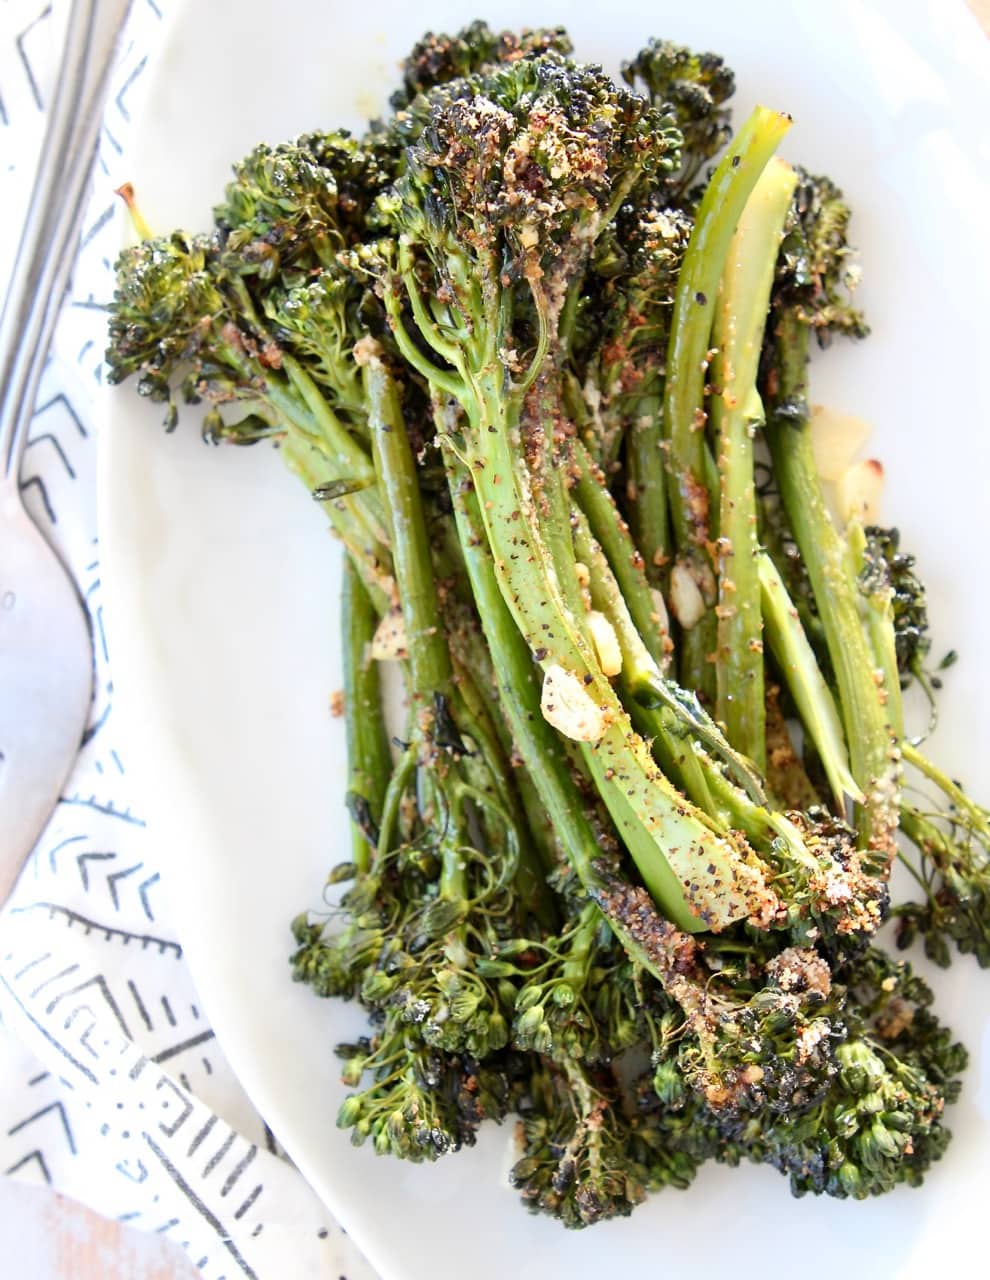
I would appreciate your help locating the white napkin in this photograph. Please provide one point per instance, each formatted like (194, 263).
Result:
(113, 1088)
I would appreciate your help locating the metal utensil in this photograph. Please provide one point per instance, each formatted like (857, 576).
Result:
(46, 653)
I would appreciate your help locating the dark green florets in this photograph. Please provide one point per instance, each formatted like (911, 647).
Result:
(911, 636)
(420, 1103)
(954, 869)
(581, 997)
(816, 275)
(880, 1123)
(583, 1160)
(519, 171)
(295, 206)
(772, 1053)
(165, 300)
(320, 320)
(696, 88)
(875, 1124)
(437, 59)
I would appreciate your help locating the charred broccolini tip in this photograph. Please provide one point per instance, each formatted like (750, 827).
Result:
(910, 608)
(437, 59)
(420, 1103)
(585, 1157)
(165, 291)
(293, 207)
(817, 272)
(877, 1119)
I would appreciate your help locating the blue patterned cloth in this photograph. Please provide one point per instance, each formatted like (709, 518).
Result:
(114, 1089)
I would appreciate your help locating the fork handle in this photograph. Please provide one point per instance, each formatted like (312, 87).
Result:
(45, 253)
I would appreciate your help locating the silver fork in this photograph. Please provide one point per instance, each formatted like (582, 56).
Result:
(46, 653)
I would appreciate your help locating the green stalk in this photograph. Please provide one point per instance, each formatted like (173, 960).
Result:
(687, 361)
(877, 610)
(737, 412)
(368, 759)
(872, 751)
(660, 724)
(429, 669)
(977, 818)
(724, 803)
(429, 658)
(370, 557)
(518, 679)
(541, 749)
(489, 772)
(796, 659)
(667, 716)
(696, 877)
(649, 515)
(612, 534)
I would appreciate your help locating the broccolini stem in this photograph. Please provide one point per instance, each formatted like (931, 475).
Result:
(310, 422)
(696, 877)
(872, 751)
(611, 532)
(926, 837)
(429, 658)
(519, 691)
(761, 825)
(878, 616)
(518, 679)
(490, 773)
(796, 659)
(580, 949)
(977, 818)
(429, 669)
(648, 475)
(687, 360)
(368, 760)
(371, 559)
(737, 411)
(660, 724)
(343, 451)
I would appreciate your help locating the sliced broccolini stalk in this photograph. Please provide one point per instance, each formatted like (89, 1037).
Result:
(812, 855)
(737, 412)
(630, 603)
(687, 361)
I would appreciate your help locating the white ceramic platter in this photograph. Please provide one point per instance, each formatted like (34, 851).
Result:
(224, 586)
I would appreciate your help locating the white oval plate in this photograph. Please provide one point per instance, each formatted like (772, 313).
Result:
(224, 597)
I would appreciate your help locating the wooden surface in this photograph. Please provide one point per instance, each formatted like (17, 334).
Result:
(47, 1237)
(44, 1236)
